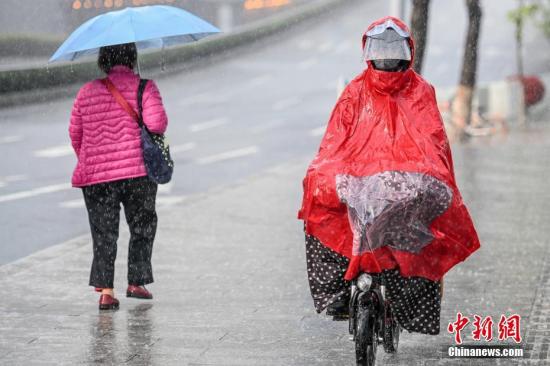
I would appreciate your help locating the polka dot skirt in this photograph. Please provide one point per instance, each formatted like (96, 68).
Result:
(415, 301)
(325, 270)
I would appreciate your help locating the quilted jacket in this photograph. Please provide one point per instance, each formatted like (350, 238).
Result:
(105, 138)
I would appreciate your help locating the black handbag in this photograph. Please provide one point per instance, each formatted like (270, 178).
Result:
(156, 152)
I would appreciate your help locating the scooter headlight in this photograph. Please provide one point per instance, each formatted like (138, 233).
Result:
(364, 282)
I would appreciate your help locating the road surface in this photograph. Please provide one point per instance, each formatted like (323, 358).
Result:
(235, 116)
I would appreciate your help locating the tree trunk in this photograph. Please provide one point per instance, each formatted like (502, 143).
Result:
(522, 111)
(462, 105)
(419, 29)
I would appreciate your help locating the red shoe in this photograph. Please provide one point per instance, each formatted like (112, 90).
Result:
(107, 302)
(139, 292)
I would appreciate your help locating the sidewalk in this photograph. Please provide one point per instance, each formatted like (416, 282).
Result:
(231, 284)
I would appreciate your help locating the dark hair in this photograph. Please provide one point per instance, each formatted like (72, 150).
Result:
(120, 54)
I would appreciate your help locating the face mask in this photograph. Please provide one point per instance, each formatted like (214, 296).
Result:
(390, 65)
(387, 45)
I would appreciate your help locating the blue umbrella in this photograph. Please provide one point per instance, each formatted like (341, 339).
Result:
(154, 26)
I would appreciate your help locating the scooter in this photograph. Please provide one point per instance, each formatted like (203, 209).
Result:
(370, 319)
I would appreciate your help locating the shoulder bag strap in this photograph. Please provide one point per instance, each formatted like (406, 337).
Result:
(141, 90)
(121, 101)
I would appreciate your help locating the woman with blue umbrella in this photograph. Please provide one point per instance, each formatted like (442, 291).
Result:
(115, 123)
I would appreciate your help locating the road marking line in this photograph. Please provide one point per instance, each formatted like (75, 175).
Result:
(197, 127)
(325, 47)
(197, 98)
(15, 178)
(10, 139)
(55, 151)
(165, 188)
(284, 103)
(176, 149)
(259, 80)
(343, 47)
(318, 131)
(307, 64)
(170, 201)
(305, 44)
(35, 192)
(204, 98)
(79, 203)
(268, 125)
(239, 153)
(10, 179)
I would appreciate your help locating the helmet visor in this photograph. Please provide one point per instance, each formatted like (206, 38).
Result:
(387, 45)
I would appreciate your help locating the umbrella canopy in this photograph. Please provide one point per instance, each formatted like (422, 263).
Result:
(154, 26)
(392, 208)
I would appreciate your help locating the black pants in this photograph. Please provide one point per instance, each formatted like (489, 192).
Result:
(103, 200)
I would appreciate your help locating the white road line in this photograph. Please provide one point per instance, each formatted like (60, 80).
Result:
(197, 98)
(197, 127)
(204, 98)
(284, 103)
(170, 201)
(10, 139)
(35, 192)
(15, 178)
(307, 64)
(4, 181)
(79, 203)
(259, 80)
(319, 131)
(165, 188)
(268, 125)
(55, 151)
(239, 153)
(343, 47)
(325, 47)
(305, 44)
(176, 149)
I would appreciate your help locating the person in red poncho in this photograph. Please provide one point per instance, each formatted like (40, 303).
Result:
(381, 195)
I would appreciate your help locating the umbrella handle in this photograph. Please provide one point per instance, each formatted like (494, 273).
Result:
(162, 59)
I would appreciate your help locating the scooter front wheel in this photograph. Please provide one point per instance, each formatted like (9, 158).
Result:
(365, 338)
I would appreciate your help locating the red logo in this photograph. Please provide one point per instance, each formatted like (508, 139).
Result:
(508, 327)
(457, 326)
(483, 328)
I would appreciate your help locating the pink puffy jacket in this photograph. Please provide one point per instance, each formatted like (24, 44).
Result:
(105, 138)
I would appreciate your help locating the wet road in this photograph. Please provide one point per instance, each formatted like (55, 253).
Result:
(231, 285)
(230, 119)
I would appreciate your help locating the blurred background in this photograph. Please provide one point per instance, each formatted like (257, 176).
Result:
(26, 35)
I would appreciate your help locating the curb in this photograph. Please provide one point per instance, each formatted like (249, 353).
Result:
(40, 84)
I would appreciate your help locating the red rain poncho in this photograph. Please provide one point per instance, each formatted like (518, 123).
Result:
(386, 155)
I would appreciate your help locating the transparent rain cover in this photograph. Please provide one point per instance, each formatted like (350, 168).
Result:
(388, 45)
(388, 24)
(392, 208)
